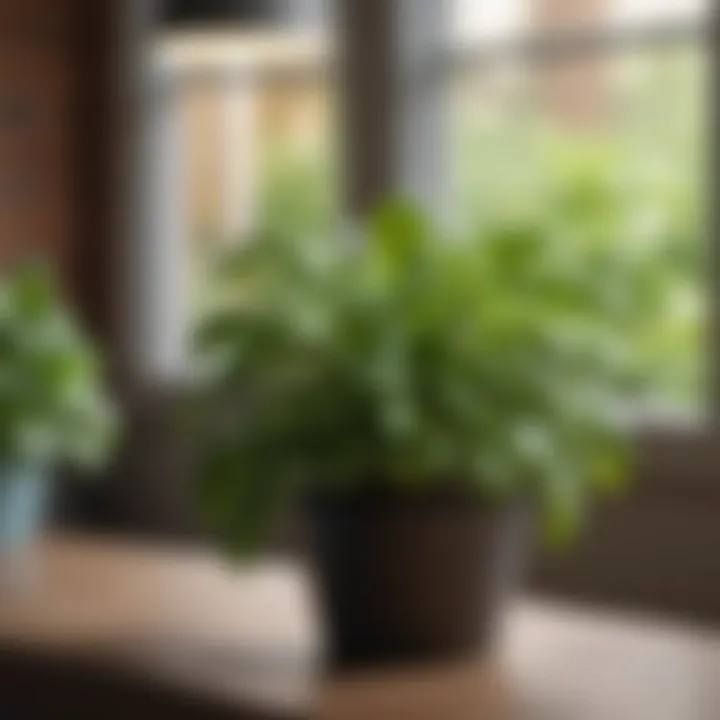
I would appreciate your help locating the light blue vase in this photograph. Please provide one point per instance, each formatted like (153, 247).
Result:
(23, 500)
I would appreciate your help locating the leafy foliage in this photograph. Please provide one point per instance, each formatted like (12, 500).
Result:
(52, 408)
(641, 197)
(503, 355)
(492, 357)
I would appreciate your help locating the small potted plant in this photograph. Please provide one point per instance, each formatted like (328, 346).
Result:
(53, 410)
(421, 393)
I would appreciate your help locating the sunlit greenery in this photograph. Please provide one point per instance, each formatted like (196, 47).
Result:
(642, 163)
(642, 207)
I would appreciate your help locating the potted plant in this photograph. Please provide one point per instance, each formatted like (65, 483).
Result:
(52, 407)
(420, 392)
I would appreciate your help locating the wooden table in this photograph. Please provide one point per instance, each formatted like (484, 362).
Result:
(102, 630)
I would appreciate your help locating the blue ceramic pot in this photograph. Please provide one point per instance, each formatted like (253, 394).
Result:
(23, 499)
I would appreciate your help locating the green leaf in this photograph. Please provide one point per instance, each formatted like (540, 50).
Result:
(239, 499)
(398, 231)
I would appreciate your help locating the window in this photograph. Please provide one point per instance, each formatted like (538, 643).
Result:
(248, 120)
(566, 91)
(240, 123)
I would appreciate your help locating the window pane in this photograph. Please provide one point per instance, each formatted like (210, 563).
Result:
(240, 126)
(632, 123)
(256, 115)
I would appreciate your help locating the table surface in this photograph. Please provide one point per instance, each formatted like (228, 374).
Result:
(226, 642)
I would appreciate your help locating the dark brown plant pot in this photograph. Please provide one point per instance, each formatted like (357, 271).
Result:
(413, 578)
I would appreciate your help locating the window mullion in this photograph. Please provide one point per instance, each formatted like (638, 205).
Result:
(394, 127)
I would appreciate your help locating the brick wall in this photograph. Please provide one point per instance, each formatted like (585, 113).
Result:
(54, 147)
(38, 93)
